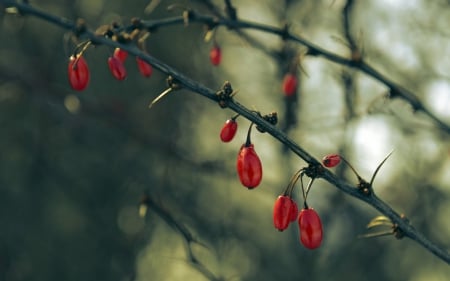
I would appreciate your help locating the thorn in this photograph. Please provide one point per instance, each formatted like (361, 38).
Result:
(379, 166)
(168, 90)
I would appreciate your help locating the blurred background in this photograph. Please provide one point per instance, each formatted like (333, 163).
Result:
(74, 166)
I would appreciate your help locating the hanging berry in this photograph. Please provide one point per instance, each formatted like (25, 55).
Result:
(310, 228)
(215, 55)
(283, 212)
(248, 164)
(229, 130)
(289, 86)
(145, 68)
(120, 54)
(78, 73)
(117, 68)
(331, 160)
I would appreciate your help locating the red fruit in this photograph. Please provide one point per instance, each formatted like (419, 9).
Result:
(249, 166)
(144, 68)
(117, 68)
(120, 54)
(215, 55)
(310, 228)
(290, 84)
(294, 211)
(78, 73)
(282, 212)
(228, 130)
(331, 160)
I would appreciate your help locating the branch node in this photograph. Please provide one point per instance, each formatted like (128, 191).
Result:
(80, 27)
(398, 232)
(225, 94)
(364, 187)
(173, 85)
(285, 32)
(136, 23)
(314, 170)
(272, 118)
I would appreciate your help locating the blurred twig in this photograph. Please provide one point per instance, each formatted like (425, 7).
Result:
(244, 36)
(407, 229)
(346, 22)
(184, 232)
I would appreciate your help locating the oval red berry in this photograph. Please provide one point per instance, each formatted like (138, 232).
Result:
(289, 84)
(145, 68)
(117, 68)
(78, 73)
(331, 160)
(215, 55)
(249, 167)
(228, 130)
(120, 54)
(310, 228)
(282, 212)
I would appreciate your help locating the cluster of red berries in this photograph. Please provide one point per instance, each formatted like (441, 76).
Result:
(286, 211)
(248, 164)
(79, 75)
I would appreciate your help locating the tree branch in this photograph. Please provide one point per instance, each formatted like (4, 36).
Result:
(406, 228)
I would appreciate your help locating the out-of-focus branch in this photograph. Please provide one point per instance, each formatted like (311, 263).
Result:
(189, 239)
(395, 90)
(370, 198)
(346, 23)
(244, 36)
(356, 62)
(230, 10)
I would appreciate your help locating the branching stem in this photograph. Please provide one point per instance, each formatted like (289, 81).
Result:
(189, 84)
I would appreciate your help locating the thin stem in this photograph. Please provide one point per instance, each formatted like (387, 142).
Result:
(360, 179)
(248, 141)
(292, 182)
(235, 116)
(308, 188)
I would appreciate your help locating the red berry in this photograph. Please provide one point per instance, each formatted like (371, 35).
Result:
(215, 55)
(283, 211)
(228, 130)
(117, 68)
(290, 84)
(294, 211)
(144, 68)
(310, 228)
(120, 54)
(249, 166)
(78, 73)
(331, 160)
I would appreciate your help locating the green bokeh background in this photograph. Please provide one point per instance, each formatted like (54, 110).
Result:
(73, 166)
